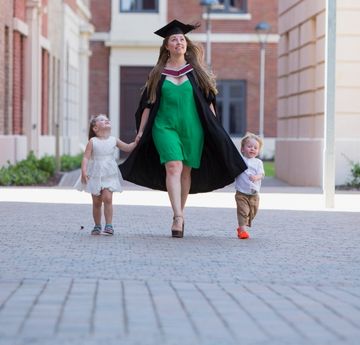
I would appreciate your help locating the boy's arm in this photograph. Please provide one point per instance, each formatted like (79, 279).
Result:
(260, 173)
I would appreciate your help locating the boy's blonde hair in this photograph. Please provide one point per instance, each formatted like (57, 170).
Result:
(249, 135)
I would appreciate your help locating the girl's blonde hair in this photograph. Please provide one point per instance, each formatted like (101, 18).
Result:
(195, 57)
(92, 125)
(249, 135)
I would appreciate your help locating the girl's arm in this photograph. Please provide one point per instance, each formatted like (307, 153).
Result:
(84, 162)
(144, 119)
(124, 146)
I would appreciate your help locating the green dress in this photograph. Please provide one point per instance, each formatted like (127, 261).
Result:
(177, 131)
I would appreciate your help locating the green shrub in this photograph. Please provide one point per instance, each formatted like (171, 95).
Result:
(25, 172)
(69, 163)
(5, 177)
(355, 172)
(33, 171)
(269, 167)
(47, 163)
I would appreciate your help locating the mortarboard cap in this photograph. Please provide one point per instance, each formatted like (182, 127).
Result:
(175, 27)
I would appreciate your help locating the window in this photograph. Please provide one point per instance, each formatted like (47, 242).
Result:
(139, 5)
(231, 104)
(234, 6)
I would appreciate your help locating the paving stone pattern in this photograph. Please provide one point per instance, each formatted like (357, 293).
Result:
(296, 281)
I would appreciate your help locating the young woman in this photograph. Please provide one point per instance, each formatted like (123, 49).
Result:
(182, 147)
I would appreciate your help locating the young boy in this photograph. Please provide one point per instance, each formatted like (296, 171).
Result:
(248, 183)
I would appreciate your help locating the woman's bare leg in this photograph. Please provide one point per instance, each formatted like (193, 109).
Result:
(174, 189)
(185, 185)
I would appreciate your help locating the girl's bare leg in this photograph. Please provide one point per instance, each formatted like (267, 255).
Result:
(108, 206)
(96, 208)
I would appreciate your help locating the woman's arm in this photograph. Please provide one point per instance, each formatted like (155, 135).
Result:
(144, 119)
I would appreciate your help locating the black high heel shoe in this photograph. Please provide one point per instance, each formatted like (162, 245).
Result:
(175, 232)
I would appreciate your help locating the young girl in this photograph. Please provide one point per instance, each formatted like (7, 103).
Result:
(248, 183)
(100, 174)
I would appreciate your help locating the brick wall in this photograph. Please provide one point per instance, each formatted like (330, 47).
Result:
(71, 4)
(6, 33)
(44, 18)
(186, 11)
(44, 92)
(18, 82)
(99, 60)
(101, 15)
(99, 79)
(19, 9)
(190, 12)
(241, 60)
(19, 42)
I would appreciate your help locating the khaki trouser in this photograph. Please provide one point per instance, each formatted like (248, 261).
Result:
(247, 207)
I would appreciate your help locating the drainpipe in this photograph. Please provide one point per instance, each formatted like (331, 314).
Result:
(32, 90)
(329, 99)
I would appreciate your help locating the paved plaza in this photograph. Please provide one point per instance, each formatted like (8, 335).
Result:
(295, 281)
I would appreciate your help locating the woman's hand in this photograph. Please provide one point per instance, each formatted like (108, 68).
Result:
(212, 109)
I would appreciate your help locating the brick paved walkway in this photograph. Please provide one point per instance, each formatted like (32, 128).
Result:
(296, 281)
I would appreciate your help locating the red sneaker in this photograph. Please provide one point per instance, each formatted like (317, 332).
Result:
(242, 234)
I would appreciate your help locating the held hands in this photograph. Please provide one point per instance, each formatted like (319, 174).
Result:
(138, 137)
(132, 145)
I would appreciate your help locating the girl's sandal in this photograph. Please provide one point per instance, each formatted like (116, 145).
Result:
(176, 232)
(96, 231)
(109, 230)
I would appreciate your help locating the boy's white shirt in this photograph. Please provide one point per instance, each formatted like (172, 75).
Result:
(242, 181)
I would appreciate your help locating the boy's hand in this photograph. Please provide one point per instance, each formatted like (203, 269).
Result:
(254, 178)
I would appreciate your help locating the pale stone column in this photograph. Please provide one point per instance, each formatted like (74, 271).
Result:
(32, 89)
(86, 30)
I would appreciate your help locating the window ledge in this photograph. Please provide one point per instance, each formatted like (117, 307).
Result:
(228, 16)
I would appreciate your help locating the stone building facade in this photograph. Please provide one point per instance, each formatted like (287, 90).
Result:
(43, 77)
(301, 100)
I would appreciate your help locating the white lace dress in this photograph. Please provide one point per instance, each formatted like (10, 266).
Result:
(102, 169)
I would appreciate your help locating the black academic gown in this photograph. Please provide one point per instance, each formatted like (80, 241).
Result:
(220, 160)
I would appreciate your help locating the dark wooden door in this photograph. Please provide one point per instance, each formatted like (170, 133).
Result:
(132, 79)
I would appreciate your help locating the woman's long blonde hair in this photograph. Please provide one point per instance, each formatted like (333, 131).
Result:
(195, 57)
